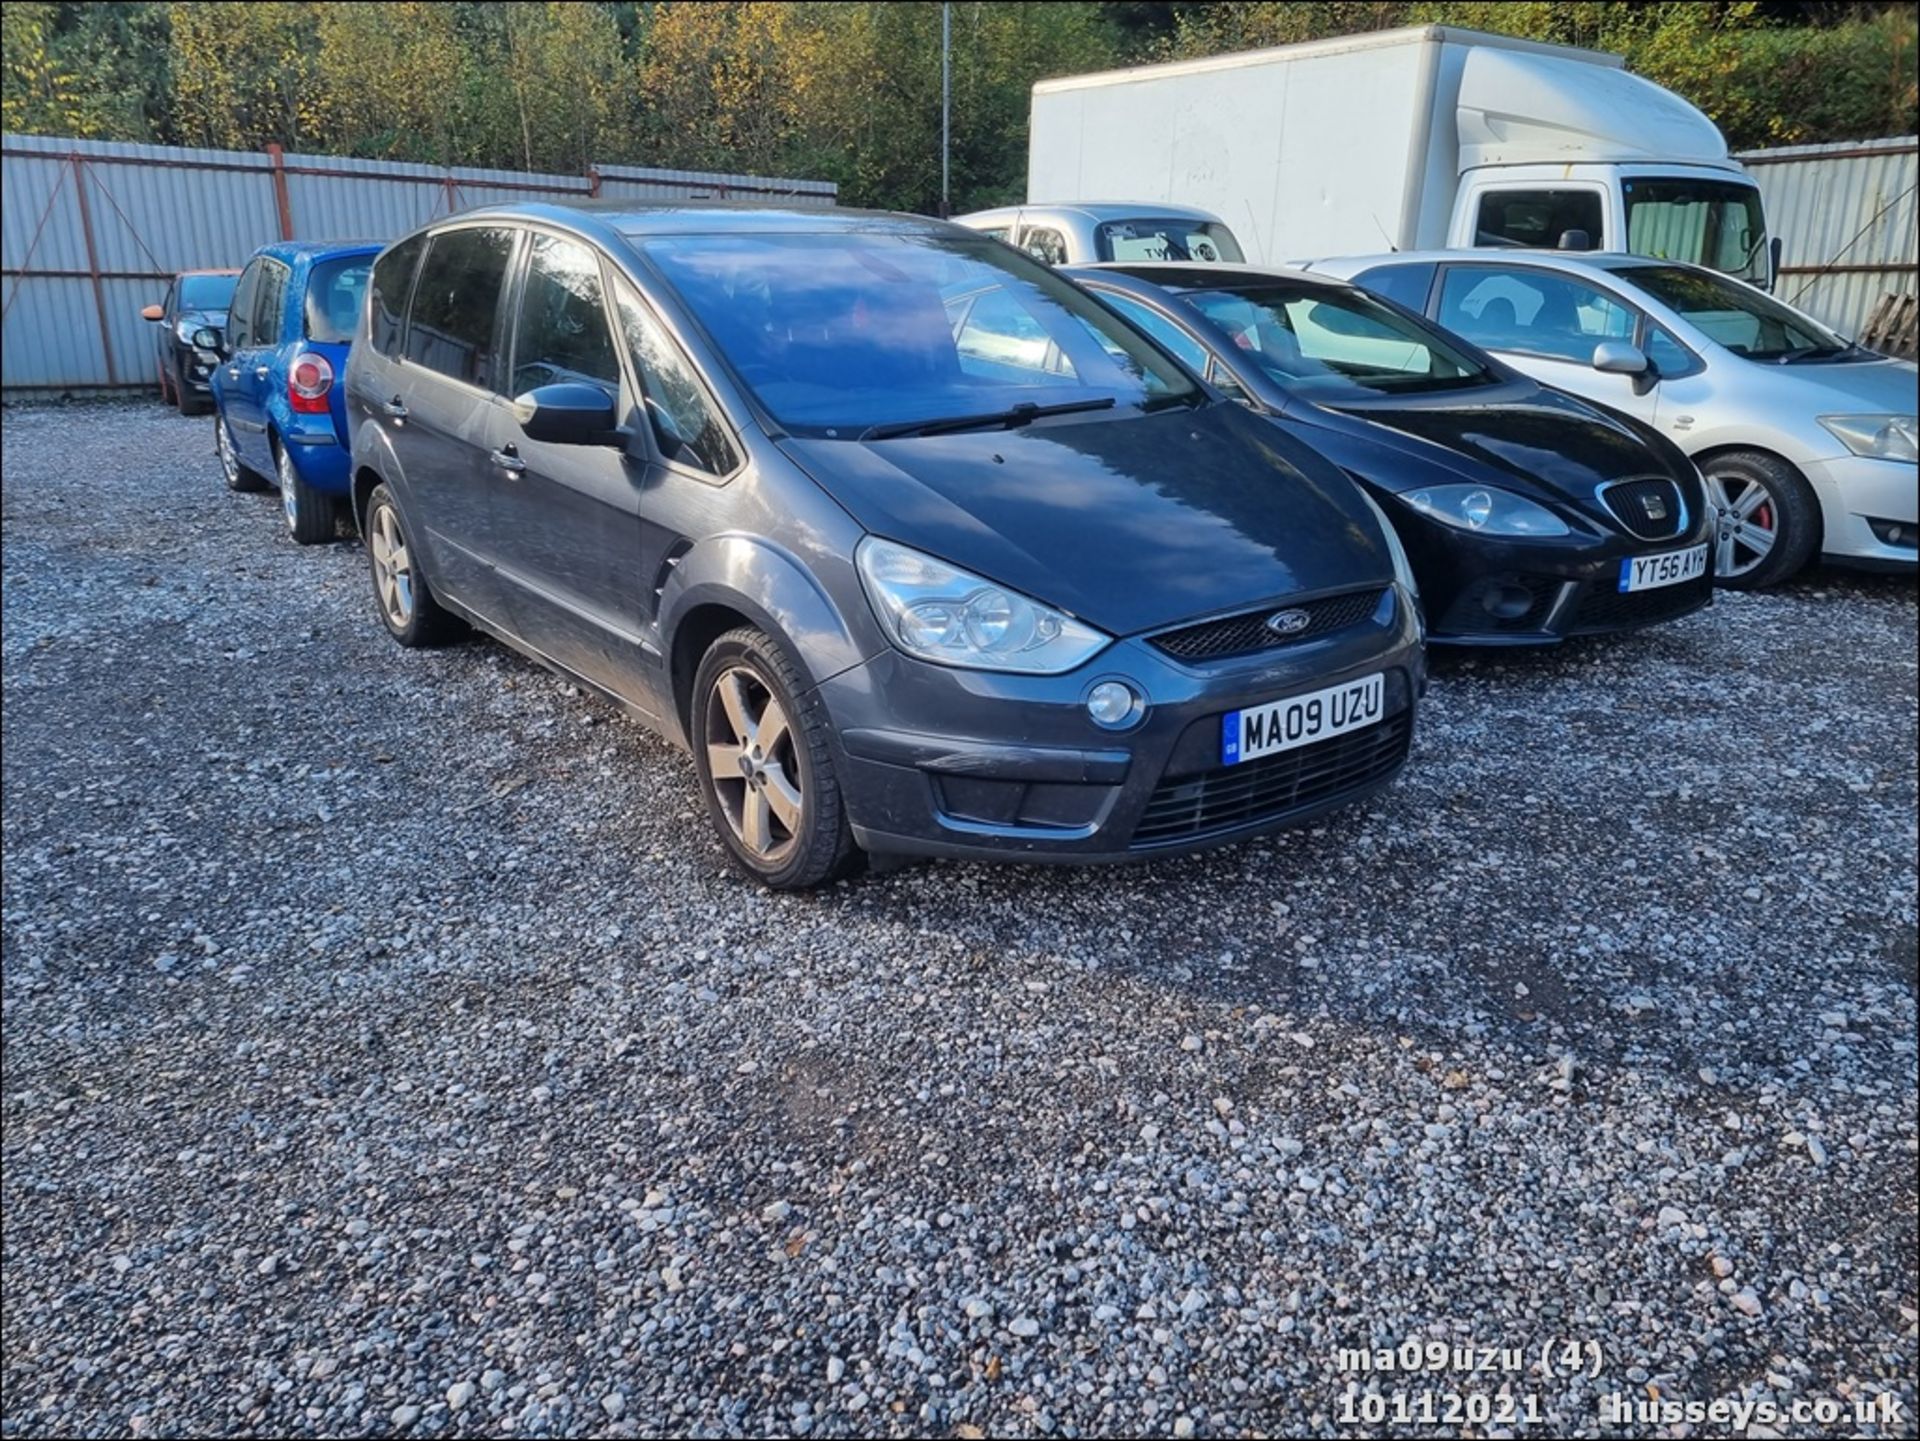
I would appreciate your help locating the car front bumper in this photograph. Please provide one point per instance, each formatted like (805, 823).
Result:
(1482, 590)
(195, 368)
(941, 761)
(1869, 509)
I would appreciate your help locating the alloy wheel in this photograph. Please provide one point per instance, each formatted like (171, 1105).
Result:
(1746, 519)
(289, 501)
(753, 764)
(229, 462)
(392, 568)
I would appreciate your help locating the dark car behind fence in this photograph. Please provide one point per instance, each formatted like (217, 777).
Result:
(94, 230)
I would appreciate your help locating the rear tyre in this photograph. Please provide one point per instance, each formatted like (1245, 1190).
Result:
(762, 749)
(400, 590)
(312, 516)
(235, 471)
(1767, 518)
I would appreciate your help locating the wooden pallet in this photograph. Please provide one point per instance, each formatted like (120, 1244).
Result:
(1891, 329)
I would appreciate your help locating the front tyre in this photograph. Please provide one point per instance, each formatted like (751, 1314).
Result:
(312, 516)
(1767, 519)
(761, 747)
(235, 471)
(405, 601)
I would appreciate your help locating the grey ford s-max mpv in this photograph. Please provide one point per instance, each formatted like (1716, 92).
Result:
(916, 546)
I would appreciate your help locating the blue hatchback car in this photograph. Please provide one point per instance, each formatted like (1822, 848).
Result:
(280, 418)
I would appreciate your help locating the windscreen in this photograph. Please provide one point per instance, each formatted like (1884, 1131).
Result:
(335, 292)
(837, 333)
(207, 292)
(1739, 317)
(1333, 344)
(1716, 223)
(1165, 237)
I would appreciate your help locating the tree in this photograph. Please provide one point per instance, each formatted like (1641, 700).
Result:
(245, 75)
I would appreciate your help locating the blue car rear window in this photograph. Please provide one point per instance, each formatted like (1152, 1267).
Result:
(336, 290)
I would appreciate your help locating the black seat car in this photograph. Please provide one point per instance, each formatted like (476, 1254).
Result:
(918, 547)
(1531, 514)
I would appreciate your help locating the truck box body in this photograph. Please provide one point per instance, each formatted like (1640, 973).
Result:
(1387, 140)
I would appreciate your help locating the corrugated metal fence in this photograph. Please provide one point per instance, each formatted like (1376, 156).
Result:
(93, 230)
(1845, 214)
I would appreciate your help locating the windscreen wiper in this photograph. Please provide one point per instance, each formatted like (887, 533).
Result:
(1011, 418)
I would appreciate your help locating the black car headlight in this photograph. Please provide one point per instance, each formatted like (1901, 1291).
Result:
(1485, 510)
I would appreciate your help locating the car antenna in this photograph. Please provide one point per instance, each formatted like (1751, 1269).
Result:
(1391, 247)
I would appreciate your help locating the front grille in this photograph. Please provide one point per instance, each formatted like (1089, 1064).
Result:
(1193, 806)
(1245, 634)
(1604, 609)
(1468, 615)
(1650, 508)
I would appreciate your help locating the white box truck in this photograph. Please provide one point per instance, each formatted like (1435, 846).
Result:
(1418, 138)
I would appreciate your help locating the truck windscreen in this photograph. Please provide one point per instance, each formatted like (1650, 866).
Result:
(1716, 223)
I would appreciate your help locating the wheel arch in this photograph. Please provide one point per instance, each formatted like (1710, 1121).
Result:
(1703, 458)
(733, 580)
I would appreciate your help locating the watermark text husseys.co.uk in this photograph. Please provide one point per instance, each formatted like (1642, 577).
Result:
(1881, 1411)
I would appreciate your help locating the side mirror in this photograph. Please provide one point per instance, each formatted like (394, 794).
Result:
(1774, 250)
(153, 312)
(207, 338)
(666, 431)
(568, 412)
(1616, 357)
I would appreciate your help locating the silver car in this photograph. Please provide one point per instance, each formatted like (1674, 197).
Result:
(1807, 441)
(1084, 234)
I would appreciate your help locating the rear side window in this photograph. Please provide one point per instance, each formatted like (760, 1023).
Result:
(1539, 218)
(686, 423)
(453, 325)
(563, 332)
(270, 304)
(1049, 247)
(1405, 285)
(240, 319)
(387, 305)
(336, 289)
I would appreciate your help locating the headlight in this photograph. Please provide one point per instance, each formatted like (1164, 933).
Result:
(1485, 510)
(938, 613)
(184, 328)
(1879, 437)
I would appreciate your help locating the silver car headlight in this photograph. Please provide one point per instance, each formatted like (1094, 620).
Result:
(941, 613)
(1485, 510)
(1878, 437)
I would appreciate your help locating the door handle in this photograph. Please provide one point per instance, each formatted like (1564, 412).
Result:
(260, 372)
(509, 460)
(394, 408)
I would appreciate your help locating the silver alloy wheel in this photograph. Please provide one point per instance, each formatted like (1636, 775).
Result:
(289, 503)
(1747, 521)
(392, 568)
(229, 462)
(753, 764)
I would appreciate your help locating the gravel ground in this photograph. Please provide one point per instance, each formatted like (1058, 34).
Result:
(389, 1046)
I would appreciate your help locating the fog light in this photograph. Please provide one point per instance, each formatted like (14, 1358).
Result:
(1112, 703)
(1507, 602)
